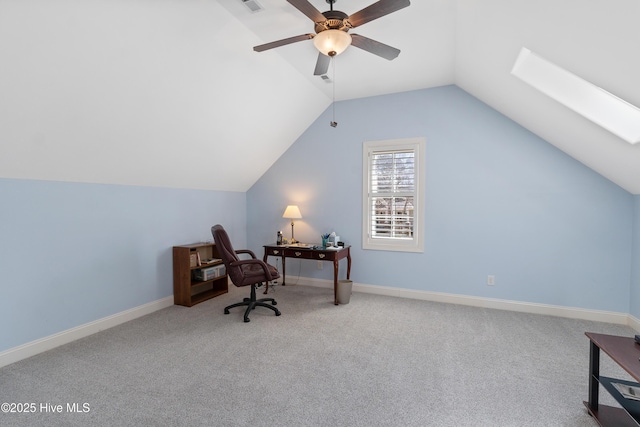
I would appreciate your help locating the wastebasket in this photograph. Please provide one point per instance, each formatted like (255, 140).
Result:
(344, 291)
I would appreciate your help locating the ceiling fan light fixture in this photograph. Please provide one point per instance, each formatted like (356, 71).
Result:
(332, 42)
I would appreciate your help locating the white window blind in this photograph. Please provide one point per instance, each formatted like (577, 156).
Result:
(391, 199)
(392, 191)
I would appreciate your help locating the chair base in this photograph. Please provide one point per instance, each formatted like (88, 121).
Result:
(252, 303)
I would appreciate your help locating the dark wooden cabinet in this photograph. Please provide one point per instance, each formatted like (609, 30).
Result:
(191, 284)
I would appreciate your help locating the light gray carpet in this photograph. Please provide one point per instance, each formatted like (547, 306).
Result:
(378, 361)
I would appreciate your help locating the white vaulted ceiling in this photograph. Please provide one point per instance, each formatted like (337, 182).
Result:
(170, 93)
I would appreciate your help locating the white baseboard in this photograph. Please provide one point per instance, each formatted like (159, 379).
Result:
(498, 304)
(47, 343)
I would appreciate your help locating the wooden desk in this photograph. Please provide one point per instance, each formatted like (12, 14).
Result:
(335, 256)
(625, 352)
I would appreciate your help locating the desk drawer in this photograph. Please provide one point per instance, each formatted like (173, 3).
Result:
(275, 251)
(323, 256)
(298, 253)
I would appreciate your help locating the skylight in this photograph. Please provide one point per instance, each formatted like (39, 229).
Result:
(596, 104)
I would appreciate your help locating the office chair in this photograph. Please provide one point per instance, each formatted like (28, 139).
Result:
(246, 272)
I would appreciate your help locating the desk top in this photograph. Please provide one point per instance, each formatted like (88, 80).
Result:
(308, 247)
(623, 350)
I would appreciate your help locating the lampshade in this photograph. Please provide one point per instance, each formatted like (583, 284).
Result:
(332, 42)
(292, 212)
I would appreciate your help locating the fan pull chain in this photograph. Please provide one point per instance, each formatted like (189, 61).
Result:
(333, 122)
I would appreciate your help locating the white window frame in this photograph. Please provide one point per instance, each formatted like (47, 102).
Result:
(416, 242)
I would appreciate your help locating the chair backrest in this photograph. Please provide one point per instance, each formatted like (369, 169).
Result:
(227, 254)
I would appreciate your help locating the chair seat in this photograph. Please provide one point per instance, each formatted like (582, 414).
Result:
(253, 271)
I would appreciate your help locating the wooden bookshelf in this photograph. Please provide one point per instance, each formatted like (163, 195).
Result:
(188, 262)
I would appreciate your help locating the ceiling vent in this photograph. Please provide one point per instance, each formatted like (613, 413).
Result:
(253, 5)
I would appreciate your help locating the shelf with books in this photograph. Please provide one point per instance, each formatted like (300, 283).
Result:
(198, 274)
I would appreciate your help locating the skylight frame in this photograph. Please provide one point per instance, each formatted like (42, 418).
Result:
(592, 102)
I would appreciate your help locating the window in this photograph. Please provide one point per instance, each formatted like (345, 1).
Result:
(392, 200)
(596, 104)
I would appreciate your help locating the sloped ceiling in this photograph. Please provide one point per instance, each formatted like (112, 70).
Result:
(594, 39)
(143, 92)
(170, 93)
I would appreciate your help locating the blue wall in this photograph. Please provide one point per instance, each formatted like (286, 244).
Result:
(634, 308)
(73, 253)
(499, 200)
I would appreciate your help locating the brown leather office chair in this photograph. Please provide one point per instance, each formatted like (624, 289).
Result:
(246, 272)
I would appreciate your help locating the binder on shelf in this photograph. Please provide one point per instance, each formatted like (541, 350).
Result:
(209, 273)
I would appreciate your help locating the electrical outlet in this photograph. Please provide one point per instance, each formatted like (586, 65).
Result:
(491, 280)
(320, 265)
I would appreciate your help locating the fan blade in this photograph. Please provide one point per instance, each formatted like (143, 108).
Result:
(376, 10)
(372, 46)
(283, 42)
(322, 65)
(308, 9)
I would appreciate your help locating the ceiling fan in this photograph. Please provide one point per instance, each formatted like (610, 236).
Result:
(332, 31)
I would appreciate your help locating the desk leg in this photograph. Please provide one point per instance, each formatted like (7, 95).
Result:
(264, 259)
(283, 269)
(335, 281)
(594, 375)
(349, 264)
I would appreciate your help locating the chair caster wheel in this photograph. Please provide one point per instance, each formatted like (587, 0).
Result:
(226, 312)
(278, 313)
(246, 319)
(274, 303)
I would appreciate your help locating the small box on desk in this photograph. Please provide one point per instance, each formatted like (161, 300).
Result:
(209, 273)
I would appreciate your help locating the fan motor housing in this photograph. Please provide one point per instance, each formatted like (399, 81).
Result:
(335, 20)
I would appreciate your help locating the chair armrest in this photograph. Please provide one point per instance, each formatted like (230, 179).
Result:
(246, 251)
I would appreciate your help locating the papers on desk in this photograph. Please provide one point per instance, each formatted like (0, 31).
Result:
(310, 246)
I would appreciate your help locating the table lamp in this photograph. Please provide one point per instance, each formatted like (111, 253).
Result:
(292, 212)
